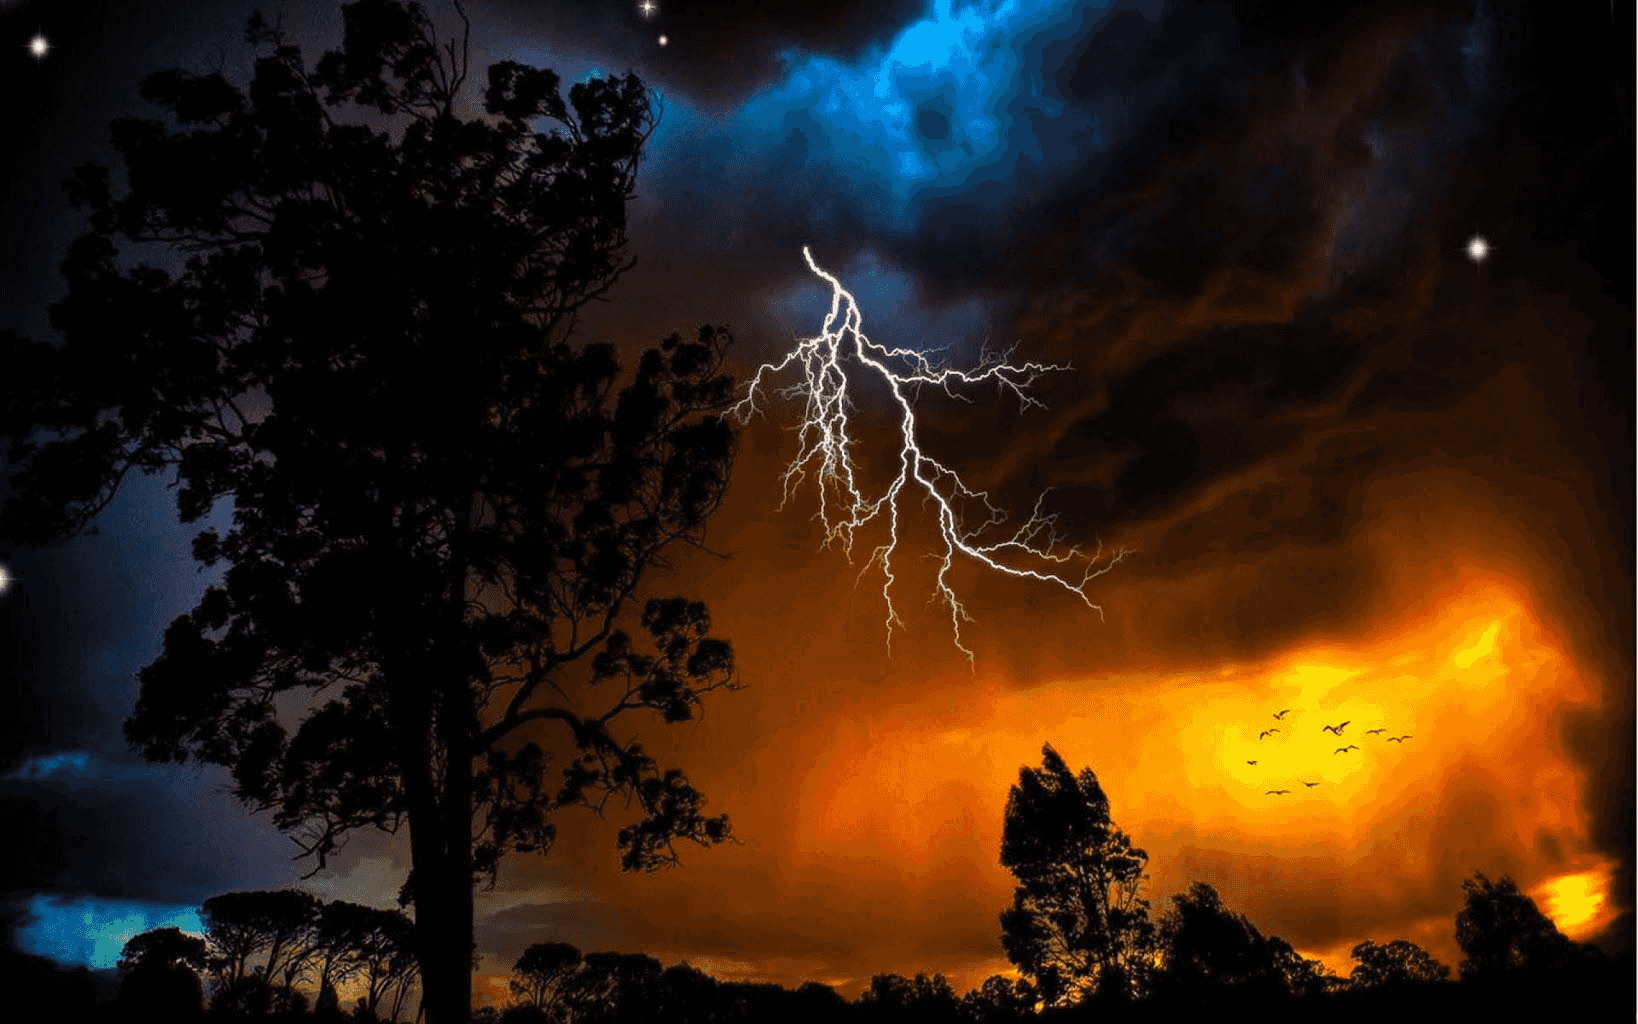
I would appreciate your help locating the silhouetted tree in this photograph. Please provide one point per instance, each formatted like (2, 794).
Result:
(1302, 977)
(541, 971)
(253, 996)
(610, 988)
(386, 959)
(895, 997)
(756, 1001)
(327, 1006)
(443, 511)
(159, 976)
(999, 999)
(1078, 924)
(340, 938)
(525, 1013)
(1207, 950)
(685, 994)
(234, 933)
(813, 1002)
(162, 949)
(280, 924)
(1394, 963)
(1500, 929)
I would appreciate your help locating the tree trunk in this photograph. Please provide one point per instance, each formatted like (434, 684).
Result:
(440, 808)
(410, 711)
(442, 939)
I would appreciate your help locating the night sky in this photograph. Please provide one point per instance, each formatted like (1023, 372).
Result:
(1362, 474)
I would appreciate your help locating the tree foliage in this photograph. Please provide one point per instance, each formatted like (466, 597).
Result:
(444, 513)
(1000, 999)
(1500, 929)
(162, 949)
(891, 996)
(159, 975)
(540, 973)
(1394, 963)
(1078, 924)
(1207, 949)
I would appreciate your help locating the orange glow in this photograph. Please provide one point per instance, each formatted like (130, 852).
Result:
(1464, 683)
(492, 990)
(1578, 903)
(1471, 680)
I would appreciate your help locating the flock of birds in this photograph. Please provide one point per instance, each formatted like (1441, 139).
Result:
(1335, 730)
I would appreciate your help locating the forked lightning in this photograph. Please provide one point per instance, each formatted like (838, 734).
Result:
(824, 439)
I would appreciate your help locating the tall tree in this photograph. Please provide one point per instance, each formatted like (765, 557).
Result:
(1078, 924)
(444, 514)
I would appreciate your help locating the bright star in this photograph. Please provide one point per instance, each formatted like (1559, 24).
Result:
(5, 580)
(648, 7)
(38, 46)
(662, 40)
(826, 364)
(1477, 249)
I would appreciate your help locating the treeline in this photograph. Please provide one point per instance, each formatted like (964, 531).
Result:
(259, 948)
(1204, 958)
(1079, 933)
(258, 951)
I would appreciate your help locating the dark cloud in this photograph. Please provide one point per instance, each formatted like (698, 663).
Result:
(717, 53)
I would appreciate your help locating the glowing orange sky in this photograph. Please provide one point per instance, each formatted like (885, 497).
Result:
(868, 791)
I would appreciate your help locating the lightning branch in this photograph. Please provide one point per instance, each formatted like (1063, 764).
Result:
(825, 436)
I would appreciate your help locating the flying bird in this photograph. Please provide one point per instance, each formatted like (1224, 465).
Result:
(1373, 732)
(1276, 792)
(1399, 739)
(1251, 762)
(1335, 728)
(1281, 714)
(1344, 750)
(1265, 733)
(1310, 785)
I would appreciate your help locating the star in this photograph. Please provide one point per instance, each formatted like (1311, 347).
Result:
(5, 580)
(1477, 249)
(38, 46)
(662, 40)
(648, 7)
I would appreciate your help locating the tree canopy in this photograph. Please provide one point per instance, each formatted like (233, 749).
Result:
(540, 973)
(162, 949)
(444, 512)
(1500, 929)
(1078, 924)
(1207, 949)
(1394, 963)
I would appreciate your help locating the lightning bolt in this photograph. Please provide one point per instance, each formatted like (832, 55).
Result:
(824, 438)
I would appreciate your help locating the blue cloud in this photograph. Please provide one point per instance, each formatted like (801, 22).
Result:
(955, 100)
(62, 762)
(90, 932)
